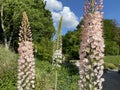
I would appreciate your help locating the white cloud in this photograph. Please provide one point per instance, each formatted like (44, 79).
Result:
(56, 16)
(70, 20)
(53, 5)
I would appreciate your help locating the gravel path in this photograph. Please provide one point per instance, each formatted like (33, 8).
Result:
(112, 81)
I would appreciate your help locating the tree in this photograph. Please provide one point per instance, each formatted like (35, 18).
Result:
(117, 38)
(3, 27)
(109, 29)
(71, 45)
(40, 21)
(111, 34)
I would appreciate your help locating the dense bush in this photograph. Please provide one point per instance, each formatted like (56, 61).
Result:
(111, 48)
(44, 50)
(109, 66)
(71, 43)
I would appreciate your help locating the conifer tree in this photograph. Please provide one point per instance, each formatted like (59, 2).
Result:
(26, 63)
(92, 47)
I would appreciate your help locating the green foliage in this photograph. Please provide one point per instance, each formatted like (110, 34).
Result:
(8, 69)
(112, 48)
(45, 74)
(109, 66)
(112, 62)
(71, 42)
(45, 77)
(117, 36)
(44, 80)
(44, 50)
(111, 38)
(109, 29)
(111, 33)
(40, 22)
(113, 59)
(67, 81)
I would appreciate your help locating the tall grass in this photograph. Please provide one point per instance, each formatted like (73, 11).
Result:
(8, 69)
(45, 74)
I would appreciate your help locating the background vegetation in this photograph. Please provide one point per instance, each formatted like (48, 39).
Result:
(45, 74)
(71, 40)
(40, 21)
(43, 30)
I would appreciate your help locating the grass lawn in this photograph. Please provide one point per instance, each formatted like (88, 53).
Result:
(113, 59)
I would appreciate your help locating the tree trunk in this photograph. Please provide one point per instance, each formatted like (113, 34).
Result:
(3, 28)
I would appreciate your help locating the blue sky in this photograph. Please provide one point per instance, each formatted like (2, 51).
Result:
(72, 11)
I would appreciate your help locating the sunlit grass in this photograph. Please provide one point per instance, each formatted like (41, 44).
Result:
(113, 59)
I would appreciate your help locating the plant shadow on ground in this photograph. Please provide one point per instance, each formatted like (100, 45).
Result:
(71, 68)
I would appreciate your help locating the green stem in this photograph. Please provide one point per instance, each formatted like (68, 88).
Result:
(56, 77)
(92, 5)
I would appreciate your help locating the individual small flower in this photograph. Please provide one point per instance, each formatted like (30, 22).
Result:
(102, 79)
(85, 60)
(87, 77)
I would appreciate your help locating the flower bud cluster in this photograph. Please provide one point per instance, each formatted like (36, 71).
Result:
(57, 57)
(57, 47)
(26, 62)
(92, 52)
(93, 6)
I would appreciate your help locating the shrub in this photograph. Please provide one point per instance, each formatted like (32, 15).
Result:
(109, 66)
(44, 50)
(111, 48)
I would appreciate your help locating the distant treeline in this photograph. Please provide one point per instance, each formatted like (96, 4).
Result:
(111, 34)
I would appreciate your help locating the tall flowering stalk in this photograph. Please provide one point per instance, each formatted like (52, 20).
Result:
(57, 51)
(26, 62)
(57, 47)
(92, 47)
